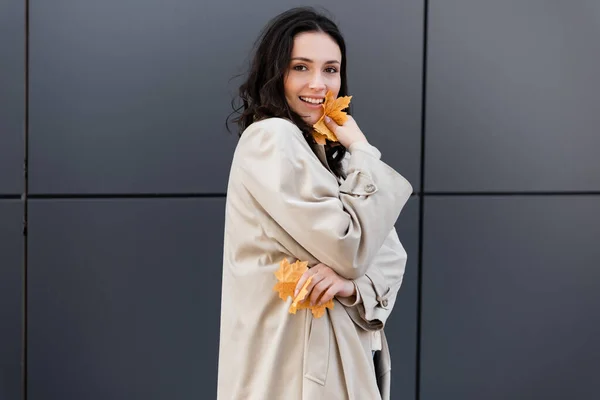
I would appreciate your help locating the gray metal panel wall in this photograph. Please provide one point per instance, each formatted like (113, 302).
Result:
(11, 262)
(512, 96)
(12, 113)
(511, 289)
(12, 95)
(131, 96)
(124, 298)
(385, 45)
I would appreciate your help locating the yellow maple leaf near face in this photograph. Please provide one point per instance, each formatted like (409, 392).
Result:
(333, 109)
(319, 138)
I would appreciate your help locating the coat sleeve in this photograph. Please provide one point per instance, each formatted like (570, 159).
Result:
(342, 226)
(377, 290)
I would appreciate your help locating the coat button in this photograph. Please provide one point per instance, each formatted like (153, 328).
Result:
(370, 188)
(384, 303)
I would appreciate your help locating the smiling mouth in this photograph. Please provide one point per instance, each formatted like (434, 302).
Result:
(312, 101)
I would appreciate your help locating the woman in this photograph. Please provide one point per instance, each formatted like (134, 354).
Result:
(289, 197)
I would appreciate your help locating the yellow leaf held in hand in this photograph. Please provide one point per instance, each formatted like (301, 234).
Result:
(319, 138)
(288, 276)
(333, 109)
(319, 311)
(290, 272)
(285, 289)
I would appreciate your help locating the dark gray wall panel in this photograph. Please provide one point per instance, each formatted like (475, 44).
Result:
(385, 46)
(511, 289)
(132, 96)
(128, 97)
(401, 327)
(124, 298)
(12, 94)
(512, 96)
(11, 263)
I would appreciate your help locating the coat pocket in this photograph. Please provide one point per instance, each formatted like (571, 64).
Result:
(316, 360)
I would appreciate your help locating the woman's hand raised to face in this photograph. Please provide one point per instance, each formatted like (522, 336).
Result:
(347, 133)
(325, 284)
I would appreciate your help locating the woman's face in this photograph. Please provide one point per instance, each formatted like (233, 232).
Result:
(314, 69)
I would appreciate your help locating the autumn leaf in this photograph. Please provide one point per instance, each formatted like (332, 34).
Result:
(285, 289)
(288, 276)
(290, 272)
(319, 138)
(319, 311)
(333, 109)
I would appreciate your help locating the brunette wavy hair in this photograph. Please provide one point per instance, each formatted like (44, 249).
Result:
(262, 94)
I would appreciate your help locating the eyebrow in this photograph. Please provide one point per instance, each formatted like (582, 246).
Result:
(310, 61)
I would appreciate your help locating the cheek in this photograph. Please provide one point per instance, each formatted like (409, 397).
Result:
(286, 87)
(291, 85)
(288, 84)
(334, 85)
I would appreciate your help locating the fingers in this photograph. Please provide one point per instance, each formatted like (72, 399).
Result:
(324, 285)
(317, 279)
(302, 280)
(319, 289)
(329, 293)
(310, 272)
(331, 124)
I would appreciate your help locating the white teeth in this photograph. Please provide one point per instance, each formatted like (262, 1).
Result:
(312, 101)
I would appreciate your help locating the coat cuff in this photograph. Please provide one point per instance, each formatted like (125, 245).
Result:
(373, 303)
(358, 181)
(376, 298)
(351, 301)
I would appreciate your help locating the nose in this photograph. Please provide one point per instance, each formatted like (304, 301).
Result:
(317, 82)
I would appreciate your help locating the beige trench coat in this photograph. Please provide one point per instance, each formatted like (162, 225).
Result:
(283, 201)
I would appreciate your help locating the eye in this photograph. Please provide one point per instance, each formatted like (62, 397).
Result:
(331, 70)
(299, 68)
